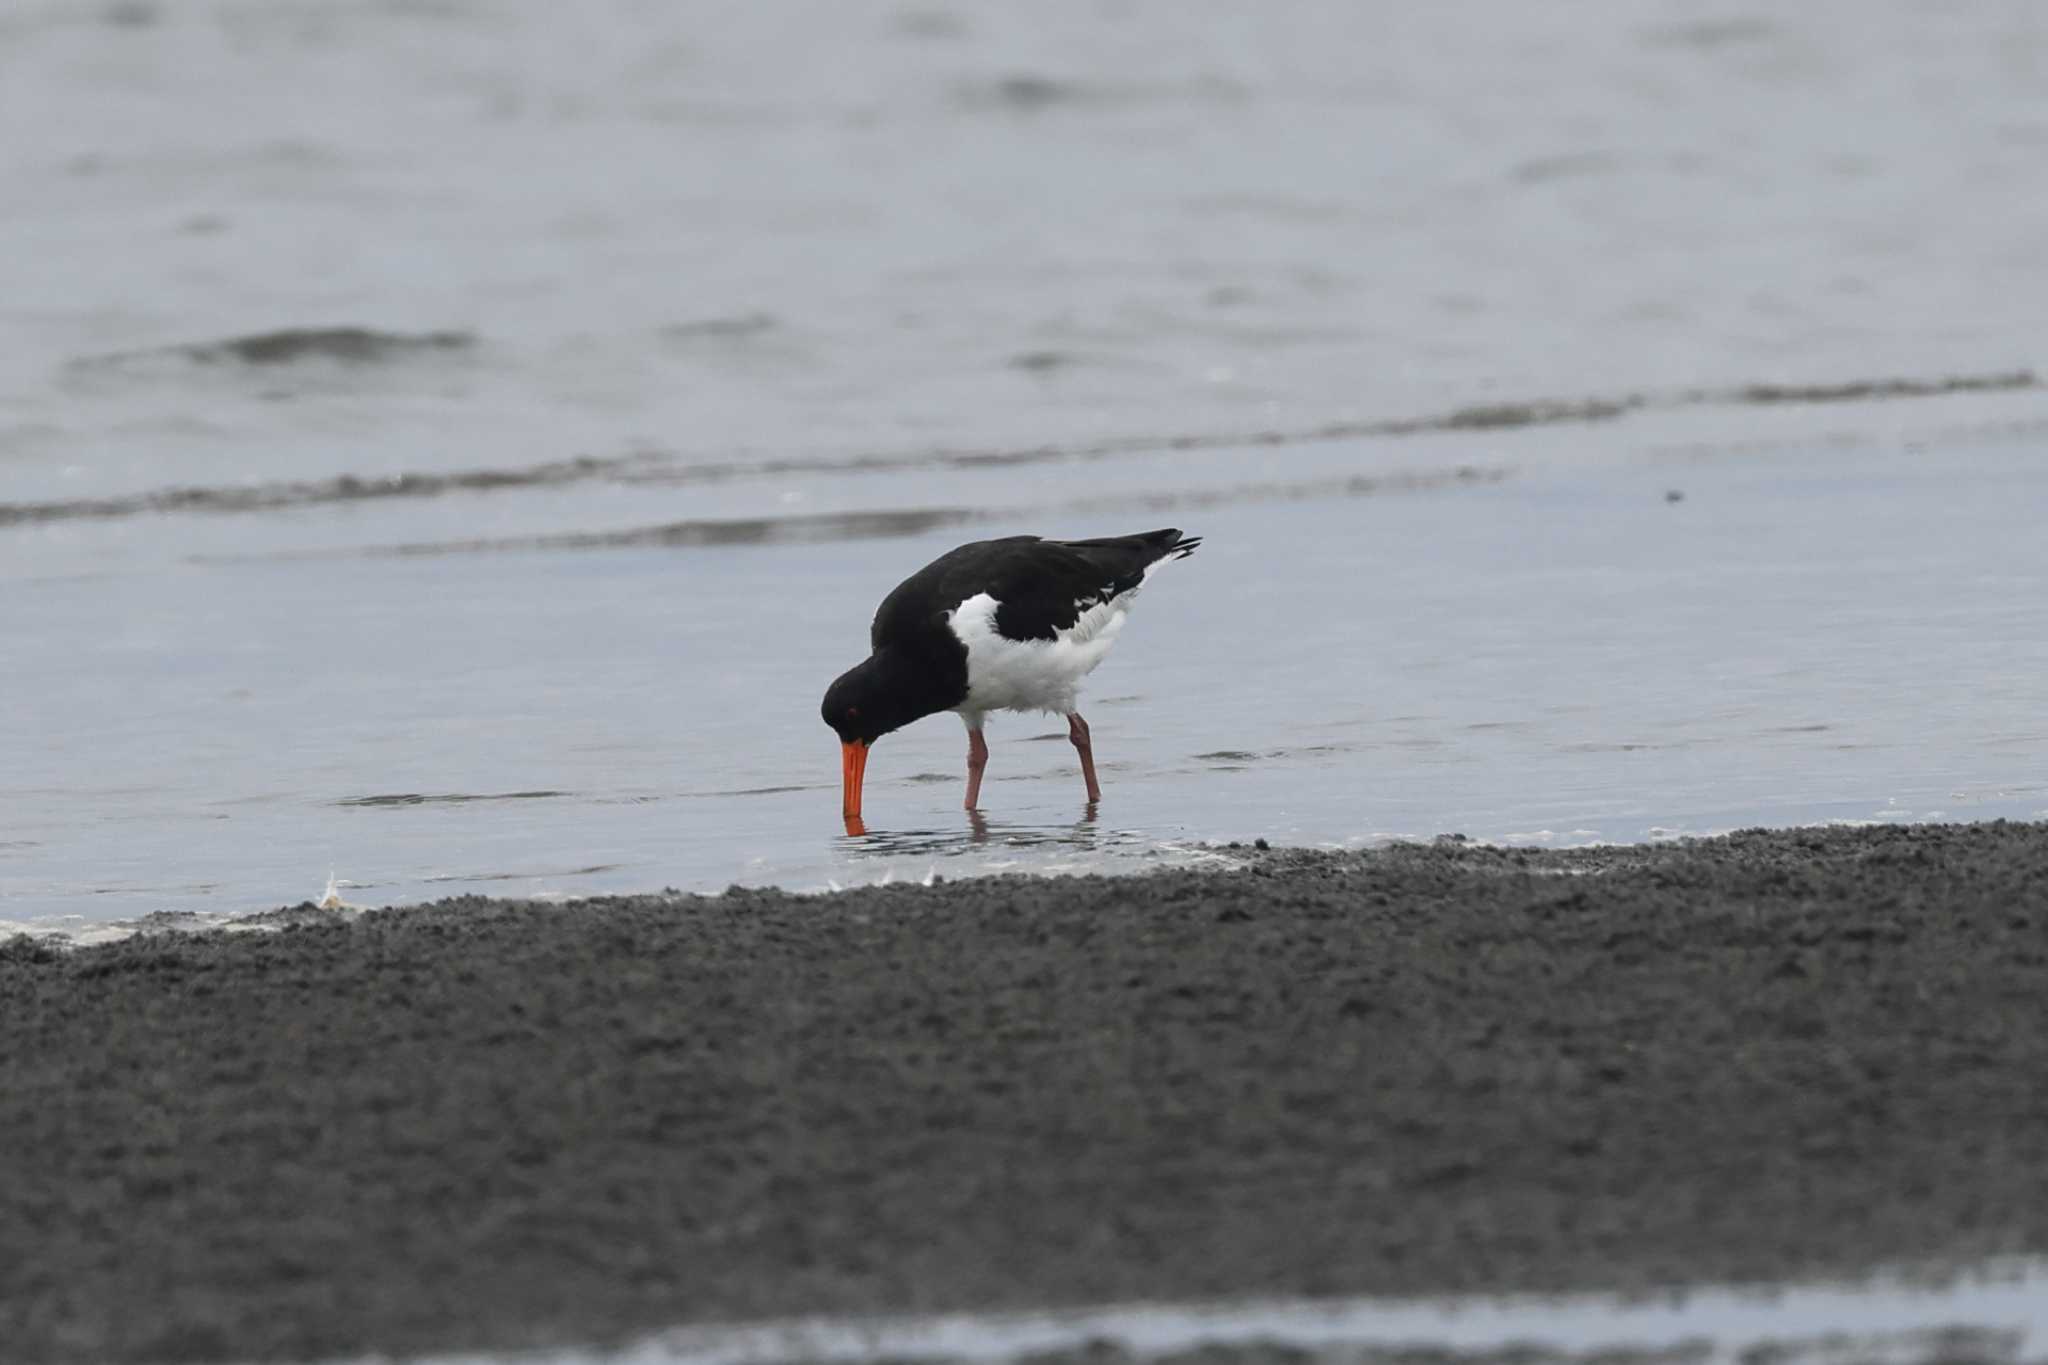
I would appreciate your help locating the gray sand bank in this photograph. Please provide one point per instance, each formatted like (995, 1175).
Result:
(1414, 1070)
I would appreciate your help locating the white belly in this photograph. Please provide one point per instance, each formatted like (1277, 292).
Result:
(1031, 675)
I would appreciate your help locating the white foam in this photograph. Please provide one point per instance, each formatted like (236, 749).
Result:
(1885, 1318)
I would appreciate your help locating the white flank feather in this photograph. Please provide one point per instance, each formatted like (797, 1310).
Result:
(1031, 675)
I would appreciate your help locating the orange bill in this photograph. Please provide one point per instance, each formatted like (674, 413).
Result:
(854, 758)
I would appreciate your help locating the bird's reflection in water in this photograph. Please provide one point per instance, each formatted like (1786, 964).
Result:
(983, 835)
(1081, 834)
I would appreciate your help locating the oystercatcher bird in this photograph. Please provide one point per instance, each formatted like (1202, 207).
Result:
(998, 625)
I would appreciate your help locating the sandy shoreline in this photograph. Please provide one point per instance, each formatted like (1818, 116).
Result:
(1415, 1070)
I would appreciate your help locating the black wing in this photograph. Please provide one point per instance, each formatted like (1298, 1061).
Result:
(1043, 585)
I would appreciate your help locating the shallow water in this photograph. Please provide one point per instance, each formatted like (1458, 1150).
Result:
(1997, 1314)
(446, 448)
(1554, 658)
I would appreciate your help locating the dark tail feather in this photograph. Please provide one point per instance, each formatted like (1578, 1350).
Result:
(1123, 560)
(1170, 542)
(1155, 545)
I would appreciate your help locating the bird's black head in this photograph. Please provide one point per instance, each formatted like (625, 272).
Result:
(867, 701)
(886, 692)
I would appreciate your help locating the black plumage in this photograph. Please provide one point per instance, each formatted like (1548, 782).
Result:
(1043, 585)
(920, 663)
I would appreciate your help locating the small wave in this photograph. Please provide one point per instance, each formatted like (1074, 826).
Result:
(1615, 747)
(1021, 92)
(130, 14)
(590, 871)
(1502, 416)
(1864, 389)
(291, 346)
(828, 526)
(893, 523)
(446, 798)
(271, 497)
(1991, 1312)
(1043, 362)
(670, 470)
(1711, 34)
(739, 327)
(1031, 93)
(1565, 166)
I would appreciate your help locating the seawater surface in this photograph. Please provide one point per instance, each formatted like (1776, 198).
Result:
(449, 447)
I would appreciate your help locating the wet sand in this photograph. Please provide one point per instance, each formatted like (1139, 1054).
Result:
(1416, 1070)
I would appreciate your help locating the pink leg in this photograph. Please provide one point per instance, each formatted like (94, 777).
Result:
(977, 759)
(1077, 730)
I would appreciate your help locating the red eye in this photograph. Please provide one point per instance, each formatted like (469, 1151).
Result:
(853, 713)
